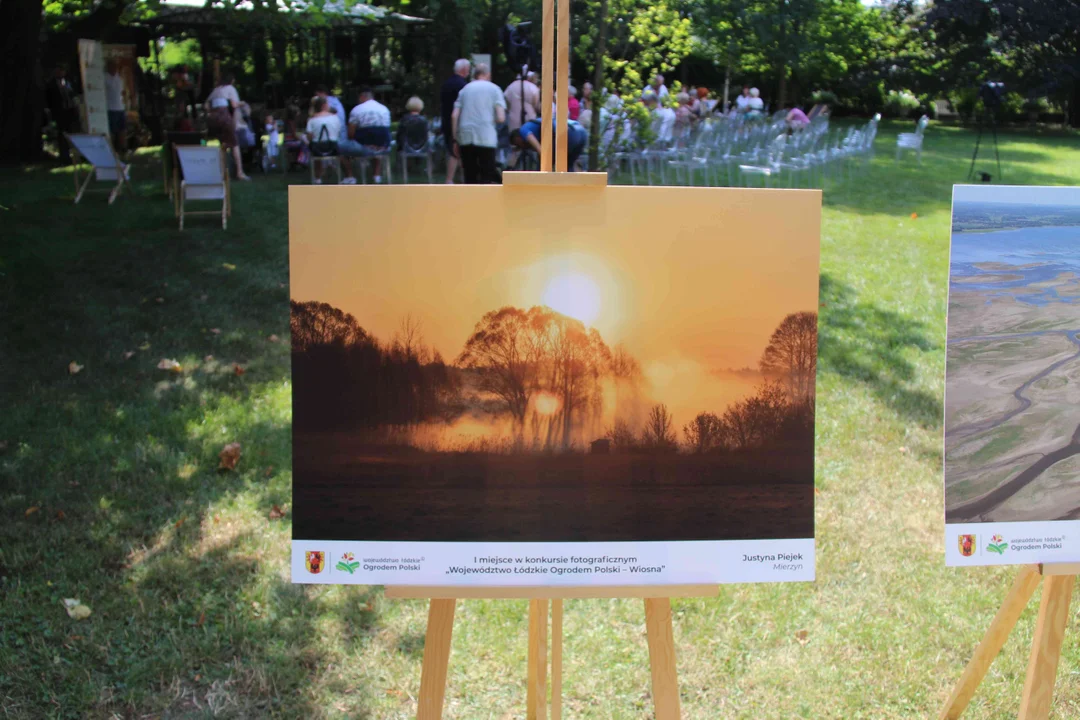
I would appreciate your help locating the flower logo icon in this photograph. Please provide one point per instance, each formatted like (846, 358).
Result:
(997, 545)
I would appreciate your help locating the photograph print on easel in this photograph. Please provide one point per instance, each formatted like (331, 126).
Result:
(1012, 388)
(523, 401)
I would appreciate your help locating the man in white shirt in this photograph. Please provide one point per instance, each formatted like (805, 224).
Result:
(658, 88)
(114, 103)
(368, 134)
(480, 106)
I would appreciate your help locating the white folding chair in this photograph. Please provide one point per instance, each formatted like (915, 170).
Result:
(205, 177)
(105, 164)
(912, 141)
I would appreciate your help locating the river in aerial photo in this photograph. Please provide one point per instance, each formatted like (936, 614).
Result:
(1032, 255)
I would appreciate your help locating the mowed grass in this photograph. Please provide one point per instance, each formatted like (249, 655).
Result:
(187, 576)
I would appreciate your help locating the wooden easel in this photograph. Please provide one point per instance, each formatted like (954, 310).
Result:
(1057, 581)
(657, 599)
(665, 681)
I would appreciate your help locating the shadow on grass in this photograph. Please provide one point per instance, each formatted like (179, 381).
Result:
(193, 610)
(871, 346)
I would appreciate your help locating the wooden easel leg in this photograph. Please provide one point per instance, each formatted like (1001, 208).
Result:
(1046, 647)
(440, 629)
(665, 679)
(1019, 595)
(556, 659)
(536, 695)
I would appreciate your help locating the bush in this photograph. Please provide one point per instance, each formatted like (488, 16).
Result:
(825, 97)
(900, 103)
(1037, 105)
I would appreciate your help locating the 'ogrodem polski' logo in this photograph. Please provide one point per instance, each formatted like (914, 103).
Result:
(997, 545)
(347, 563)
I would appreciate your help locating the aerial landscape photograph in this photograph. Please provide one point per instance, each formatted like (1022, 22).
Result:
(597, 388)
(1012, 397)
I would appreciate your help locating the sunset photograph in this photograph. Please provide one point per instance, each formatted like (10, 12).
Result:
(485, 372)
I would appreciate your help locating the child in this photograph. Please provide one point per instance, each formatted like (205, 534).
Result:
(273, 139)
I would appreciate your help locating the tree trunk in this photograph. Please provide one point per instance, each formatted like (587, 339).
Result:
(22, 99)
(598, 88)
(727, 85)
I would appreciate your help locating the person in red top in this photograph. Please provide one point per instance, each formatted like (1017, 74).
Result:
(575, 105)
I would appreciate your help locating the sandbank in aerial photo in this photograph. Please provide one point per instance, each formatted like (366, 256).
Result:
(1012, 397)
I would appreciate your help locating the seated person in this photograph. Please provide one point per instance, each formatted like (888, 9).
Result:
(412, 134)
(368, 134)
(528, 136)
(756, 106)
(323, 130)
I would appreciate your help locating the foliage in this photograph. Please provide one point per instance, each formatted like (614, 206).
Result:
(900, 103)
(825, 97)
(791, 356)
(659, 433)
(644, 38)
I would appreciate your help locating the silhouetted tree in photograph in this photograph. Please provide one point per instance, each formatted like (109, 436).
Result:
(506, 349)
(659, 435)
(704, 433)
(791, 356)
(344, 378)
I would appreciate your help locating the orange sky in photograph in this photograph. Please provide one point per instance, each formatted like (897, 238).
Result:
(690, 280)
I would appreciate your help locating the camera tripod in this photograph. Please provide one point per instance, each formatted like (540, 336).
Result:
(978, 140)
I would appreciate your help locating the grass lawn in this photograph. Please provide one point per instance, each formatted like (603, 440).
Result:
(110, 493)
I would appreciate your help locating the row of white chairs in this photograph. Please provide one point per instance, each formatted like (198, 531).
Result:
(721, 153)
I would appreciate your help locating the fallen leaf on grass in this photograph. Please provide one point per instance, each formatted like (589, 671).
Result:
(228, 266)
(145, 346)
(802, 636)
(74, 367)
(215, 331)
(31, 510)
(60, 515)
(199, 623)
(76, 609)
(276, 513)
(128, 354)
(238, 370)
(914, 216)
(167, 364)
(229, 456)
(180, 523)
(273, 338)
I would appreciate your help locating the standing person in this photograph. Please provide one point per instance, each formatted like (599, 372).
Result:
(223, 109)
(368, 134)
(60, 99)
(114, 104)
(658, 88)
(448, 95)
(522, 100)
(479, 107)
(586, 96)
(574, 103)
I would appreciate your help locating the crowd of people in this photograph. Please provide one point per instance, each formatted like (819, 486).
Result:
(482, 126)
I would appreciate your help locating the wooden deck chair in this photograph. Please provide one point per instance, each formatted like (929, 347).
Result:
(205, 176)
(105, 164)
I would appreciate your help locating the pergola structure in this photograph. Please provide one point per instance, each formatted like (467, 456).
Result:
(288, 45)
